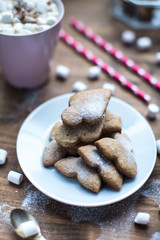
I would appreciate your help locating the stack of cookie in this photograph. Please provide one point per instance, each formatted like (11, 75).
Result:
(88, 143)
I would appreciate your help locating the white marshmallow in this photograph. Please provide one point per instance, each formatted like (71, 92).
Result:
(144, 43)
(18, 27)
(16, 20)
(30, 26)
(158, 57)
(109, 86)
(17, 4)
(10, 6)
(35, 1)
(25, 32)
(28, 19)
(128, 37)
(3, 26)
(47, 15)
(153, 109)
(56, 14)
(8, 31)
(62, 71)
(42, 27)
(41, 20)
(41, 7)
(15, 177)
(158, 146)
(79, 86)
(51, 20)
(3, 156)
(7, 17)
(2, 6)
(94, 72)
(52, 7)
(29, 5)
(142, 218)
(39, 27)
(28, 228)
(52, 14)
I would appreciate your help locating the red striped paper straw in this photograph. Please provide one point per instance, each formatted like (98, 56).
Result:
(108, 47)
(106, 68)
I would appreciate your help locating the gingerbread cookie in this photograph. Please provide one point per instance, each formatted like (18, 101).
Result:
(69, 137)
(112, 123)
(75, 167)
(122, 157)
(125, 140)
(52, 153)
(106, 169)
(86, 107)
(52, 133)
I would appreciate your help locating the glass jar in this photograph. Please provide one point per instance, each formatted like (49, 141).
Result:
(139, 14)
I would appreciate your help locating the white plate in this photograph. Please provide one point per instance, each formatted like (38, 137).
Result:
(34, 134)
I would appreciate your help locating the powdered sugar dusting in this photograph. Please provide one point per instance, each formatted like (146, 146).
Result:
(155, 236)
(88, 106)
(109, 218)
(35, 200)
(153, 191)
(5, 210)
(94, 107)
(125, 141)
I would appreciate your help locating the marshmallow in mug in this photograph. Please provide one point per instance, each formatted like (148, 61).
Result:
(31, 15)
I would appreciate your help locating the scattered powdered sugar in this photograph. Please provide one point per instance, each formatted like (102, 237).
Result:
(109, 218)
(113, 215)
(35, 200)
(153, 191)
(5, 210)
(90, 105)
(155, 236)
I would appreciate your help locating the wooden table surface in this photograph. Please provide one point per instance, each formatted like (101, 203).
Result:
(57, 220)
